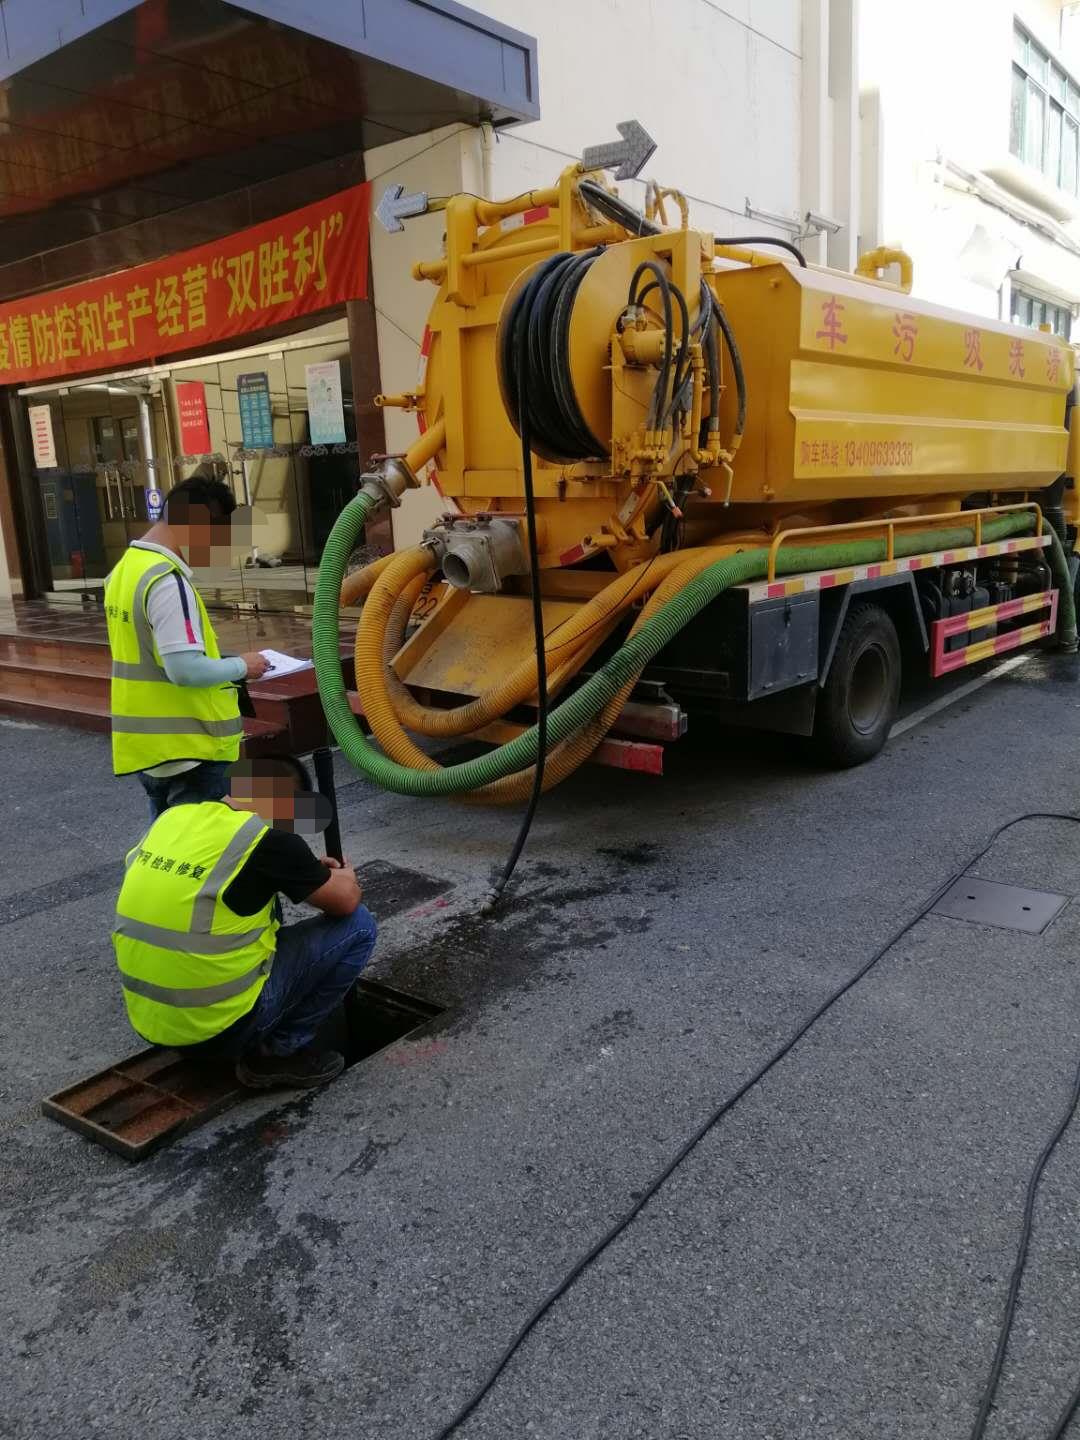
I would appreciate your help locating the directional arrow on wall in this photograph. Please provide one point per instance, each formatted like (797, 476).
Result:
(395, 206)
(627, 157)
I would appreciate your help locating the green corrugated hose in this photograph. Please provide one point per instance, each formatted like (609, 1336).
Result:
(630, 658)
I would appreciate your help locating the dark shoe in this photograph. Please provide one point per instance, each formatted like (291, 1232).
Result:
(300, 1071)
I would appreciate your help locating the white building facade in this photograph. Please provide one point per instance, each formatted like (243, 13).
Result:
(970, 152)
(753, 105)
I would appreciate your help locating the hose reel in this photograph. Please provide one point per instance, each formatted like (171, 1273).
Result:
(538, 316)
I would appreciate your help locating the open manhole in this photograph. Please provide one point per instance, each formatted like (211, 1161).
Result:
(1005, 907)
(371, 1017)
(154, 1097)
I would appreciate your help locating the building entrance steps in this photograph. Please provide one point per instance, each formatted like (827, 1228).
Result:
(54, 668)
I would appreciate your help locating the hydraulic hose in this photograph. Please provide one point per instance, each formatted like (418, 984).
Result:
(736, 365)
(744, 240)
(632, 656)
(620, 211)
(663, 284)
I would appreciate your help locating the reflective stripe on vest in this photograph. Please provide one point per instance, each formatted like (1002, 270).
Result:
(238, 950)
(155, 721)
(174, 725)
(207, 995)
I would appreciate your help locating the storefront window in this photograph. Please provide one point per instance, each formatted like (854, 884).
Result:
(117, 447)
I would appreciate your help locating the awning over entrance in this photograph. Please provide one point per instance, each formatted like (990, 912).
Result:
(112, 112)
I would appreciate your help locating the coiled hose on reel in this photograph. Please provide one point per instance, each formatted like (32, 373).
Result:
(420, 775)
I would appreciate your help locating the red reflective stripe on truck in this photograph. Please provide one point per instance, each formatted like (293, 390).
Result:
(630, 755)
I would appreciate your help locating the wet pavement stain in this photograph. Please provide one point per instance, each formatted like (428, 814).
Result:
(472, 961)
(368, 1157)
(221, 1193)
(61, 892)
(644, 853)
(389, 889)
(619, 1025)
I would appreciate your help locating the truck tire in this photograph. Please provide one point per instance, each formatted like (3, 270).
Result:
(858, 701)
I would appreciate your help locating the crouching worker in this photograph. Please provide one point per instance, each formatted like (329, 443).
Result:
(204, 961)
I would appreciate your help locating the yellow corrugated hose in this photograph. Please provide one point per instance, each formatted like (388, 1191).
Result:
(592, 622)
(384, 697)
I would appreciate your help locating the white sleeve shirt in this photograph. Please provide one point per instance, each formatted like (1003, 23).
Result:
(172, 609)
(174, 615)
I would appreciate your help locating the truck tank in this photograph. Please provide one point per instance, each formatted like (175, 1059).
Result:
(688, 400)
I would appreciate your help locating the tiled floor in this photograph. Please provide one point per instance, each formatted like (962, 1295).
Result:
(86, 623)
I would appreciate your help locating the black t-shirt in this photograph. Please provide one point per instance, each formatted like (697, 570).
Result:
(281, 861)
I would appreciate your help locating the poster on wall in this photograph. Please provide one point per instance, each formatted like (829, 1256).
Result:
(326, 413)
(44, 441)
(256, 417)
(194, 421)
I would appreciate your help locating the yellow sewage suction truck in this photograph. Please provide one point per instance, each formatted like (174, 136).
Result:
(723, 481)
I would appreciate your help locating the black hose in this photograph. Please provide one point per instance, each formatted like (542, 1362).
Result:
(1013, 1296)
(668, 1169)
(682, 362)
(712, 361)
(619, 211)
(682, 366)
(624, 214)
(736, 365)
(537, 334)
(744, 240)
(660, 390)
(521, 340)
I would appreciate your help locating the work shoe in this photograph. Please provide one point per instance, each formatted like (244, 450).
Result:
(301, 1070)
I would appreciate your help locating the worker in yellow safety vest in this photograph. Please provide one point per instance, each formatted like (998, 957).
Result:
(175, 707)
(204, 961)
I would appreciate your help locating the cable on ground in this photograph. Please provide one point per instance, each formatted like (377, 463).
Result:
(665, 1173)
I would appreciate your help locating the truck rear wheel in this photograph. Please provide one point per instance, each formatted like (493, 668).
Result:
(858, 701)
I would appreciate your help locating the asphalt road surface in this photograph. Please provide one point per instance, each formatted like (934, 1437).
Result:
(831, 1261)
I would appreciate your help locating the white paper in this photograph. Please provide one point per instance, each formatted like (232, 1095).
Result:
(42, 431)
(283, 664)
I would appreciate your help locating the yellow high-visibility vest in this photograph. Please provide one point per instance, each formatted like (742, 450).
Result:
(153, 720)
(189, 966)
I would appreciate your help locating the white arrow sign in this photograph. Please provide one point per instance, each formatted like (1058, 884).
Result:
(395, 206)
(627, 157)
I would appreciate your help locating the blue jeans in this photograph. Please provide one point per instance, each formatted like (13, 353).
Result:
(208, 781)
(315, 965)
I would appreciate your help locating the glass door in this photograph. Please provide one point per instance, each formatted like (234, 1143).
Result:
(95, 451)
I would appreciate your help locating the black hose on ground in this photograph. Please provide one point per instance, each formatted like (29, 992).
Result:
(521, 342)
(645, 1195)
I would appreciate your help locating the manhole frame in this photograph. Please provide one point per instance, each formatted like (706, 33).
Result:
(123, 1078)
(1000, 906)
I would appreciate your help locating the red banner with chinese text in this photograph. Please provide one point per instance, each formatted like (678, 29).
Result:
(297, 264)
